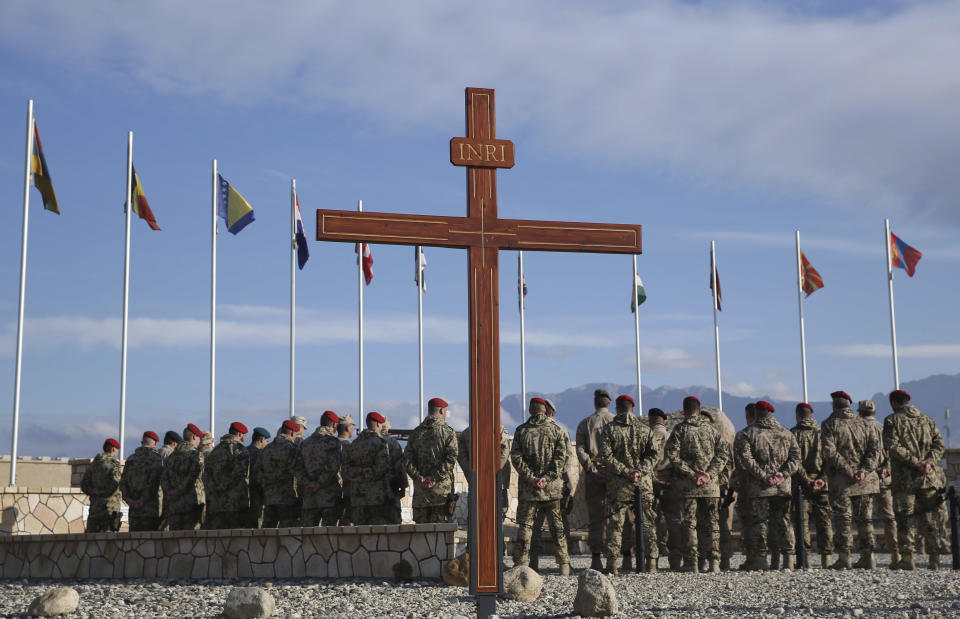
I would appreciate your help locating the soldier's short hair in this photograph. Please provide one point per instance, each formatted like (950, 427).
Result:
(899, 398)
(536, 408)
(601, 398)
(690, 405)
(431, 410)
(751, 409)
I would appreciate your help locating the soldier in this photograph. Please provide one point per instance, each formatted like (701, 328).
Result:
(539, 453)
(628, 452)
(206, 443)
(698, 454)
(463, 459)
(915, 447)
(429, 459)
(566, 500)
(101, 482)
(182, 483)
(318, 474)
(723, 507)
(850, 456)
(813, 482)
(741, 488)
(301, 421)
(254, 513)
(397, 479)
(768, 455)
(140, 484)
(345, 431)
(657, 420)
(884, 498)
(170, 441)
(366, 465)
(226, 480)
(277, 462)
(587, 437)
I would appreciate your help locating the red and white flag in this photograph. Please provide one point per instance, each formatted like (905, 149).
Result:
(367, 259)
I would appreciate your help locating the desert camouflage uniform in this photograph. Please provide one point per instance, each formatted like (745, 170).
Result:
(140, 485)
(911, 437)
(593, 475)
(628, 444)
(463, 459)
(766, 448)
(884, 498)
(807, 433)
(431, 452)
(182, 483)
(539, 450)
(318, 477)
(226, 475)
(101, 482)
(254, 513)
(849, 444)
(366, 466)
(661, 476)
(277, 463)
(346, 512)
(695, 445)
(396, 481)
(566, 497)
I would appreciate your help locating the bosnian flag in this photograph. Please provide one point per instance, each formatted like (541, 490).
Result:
(300, 239)
(902, 256)
(367, 261)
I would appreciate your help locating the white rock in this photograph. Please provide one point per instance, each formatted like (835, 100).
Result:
(55, 602)
(244, 602)
(522, 584)
(595, 595)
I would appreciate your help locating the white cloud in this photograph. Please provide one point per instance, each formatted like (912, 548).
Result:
(777, 390)
(665, 359)
(920, 351)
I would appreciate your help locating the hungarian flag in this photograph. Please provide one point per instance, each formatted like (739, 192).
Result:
(902, 256)
(41, 175)
(715, 275)
(233, 207)
(811, 279)
(639, 295)
(139, 201)
(367, 261)
(300, 238)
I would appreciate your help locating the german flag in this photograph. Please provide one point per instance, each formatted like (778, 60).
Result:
(139, 201)
(812, 281)
(41, 175)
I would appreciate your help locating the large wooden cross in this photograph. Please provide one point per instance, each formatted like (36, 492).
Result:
(483, 234)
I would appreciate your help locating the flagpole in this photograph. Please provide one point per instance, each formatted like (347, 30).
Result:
(893, 321)
(213, 301)
(23, 287)
(420, 320)
(523, 349)
(716, 323)
(636, 328)
(360, 320)
(293, 285)
(803, 336)
(126, 293)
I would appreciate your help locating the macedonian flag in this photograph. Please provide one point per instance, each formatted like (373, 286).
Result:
(811, 279)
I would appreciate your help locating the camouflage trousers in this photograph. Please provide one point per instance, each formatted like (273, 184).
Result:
(320, 516)
(104, 522)
(699, 520)
(819, 504)
(282, 515)
(671, 507)
(253, 514)
(919, 505)
(724, 515)
(887, 515)
(623, 516)
(596, 498)
(745, 514)
(142, 522)
(186, 520)
(369, 514)
(526, 512)
(224, 520)
(427, 513)
(846, 511)
(770, 527)
(535, 541)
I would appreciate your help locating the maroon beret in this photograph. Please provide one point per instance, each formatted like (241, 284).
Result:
(438, 403)
(805, 405)
(691, 398)
(112, 442)
(626, 398)
(332, 416)
(194, 429)
(901, 393)
(375, 416)
(292, 425)
(239, 427)
(151, 434)
(765, 406)
(841, 394)
(539, 401)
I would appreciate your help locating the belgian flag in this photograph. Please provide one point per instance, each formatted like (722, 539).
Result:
(139, 201)
(41, 175)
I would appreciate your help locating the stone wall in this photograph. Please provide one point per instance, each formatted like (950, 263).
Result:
(40, 472)
(36, 511)
(311, 552)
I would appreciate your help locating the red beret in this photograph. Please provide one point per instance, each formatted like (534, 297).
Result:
(539, 401)
(112, 442)
(239, 427)
(626, 398)
(332, 416)
(151, 434)
(290, 424)
(841, 394)
(901, 393)
(438, 403)
(765, 406)
(375, 416)
(194, 429)
(805, 405)
(691, 398)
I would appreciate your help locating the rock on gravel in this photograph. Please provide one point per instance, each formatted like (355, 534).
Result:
(58, 601)
(244, 602)
(596, 596)
(522, 584)
(456, 573)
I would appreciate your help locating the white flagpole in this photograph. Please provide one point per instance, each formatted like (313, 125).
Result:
(803, 336)
(523, 349)
(293, 285)
(893, 321)
(716, 323)
(636, 328)
(23, 287)
(360, 283)
(213, 300)
(419, 257)
(126, 293)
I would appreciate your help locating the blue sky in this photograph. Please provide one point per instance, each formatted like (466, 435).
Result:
(740, 122)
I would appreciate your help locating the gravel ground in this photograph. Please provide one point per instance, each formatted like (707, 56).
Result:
(813, 593)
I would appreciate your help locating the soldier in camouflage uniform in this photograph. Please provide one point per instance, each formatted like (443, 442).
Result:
(595, 478)
(182, 483)
(915, 447)
(254, 513)
(566, 499)
(724, 509)
(429, 459)
(850, 455)
(318, 474)
(101, 482)
(539, 454)
(140, 484)
(463, 459)
(226, 480)
(657, 420)
(277, 463)
(397, 479)
(739, 485)
(812, 482)
(170, 441)
(768, 456)
(366, 466)
(698, 454)
(884, 498)
(345, 431)
(628, 452)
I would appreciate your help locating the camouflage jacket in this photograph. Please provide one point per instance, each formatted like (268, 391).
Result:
(540, 449)
(397, 480)
(182, 479)
(256, 490)
(884, 461)
(661, 471)
(366, 465)
(695, 445)
(101, 482)
(626, 444)
(277, 464)
(807, 433)
(431, 452)
(141, 481)
(463, 459)
(588, 439)
(318, 469)
(766, 448)
(849, 445)
(910, 437)
(226, 476)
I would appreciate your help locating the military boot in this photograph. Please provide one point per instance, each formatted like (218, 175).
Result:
(690, 565)
(652, 565)
(724, 564)
(866, 561)
(906, 561)
(564, 569)
(774, 560)
(702, 564)
(534, 563)
(894, 560)
(824, 560)
(627, 563)
(843, 561)
(787, 563)
(674, 562)
(761, 563)
(596, 563)
(714, 566)
(934, 563)
(611, 568)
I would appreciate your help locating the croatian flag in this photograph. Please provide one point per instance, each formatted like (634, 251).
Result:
(367, 261)
(300, 239)
(902, 256)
